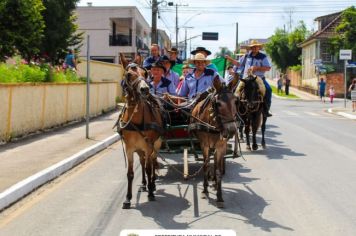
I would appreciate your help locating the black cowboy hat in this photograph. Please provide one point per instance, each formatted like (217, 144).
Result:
(158, 64)
(164, 58)
(173, 50)
(199, 49)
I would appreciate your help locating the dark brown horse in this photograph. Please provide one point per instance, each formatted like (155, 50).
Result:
(251, 109)
(213, 122)
(140, 126)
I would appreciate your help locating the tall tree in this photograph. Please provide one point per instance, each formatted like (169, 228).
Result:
(60, 32)
(345, 37)
(283, 47)
(21, 27)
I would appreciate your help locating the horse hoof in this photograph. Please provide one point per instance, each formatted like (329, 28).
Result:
(264, 146)
(151, 198)
(254, 147)
(142, 189)
(248, 148)
(126, 205)
(204, 195)
(220, 204)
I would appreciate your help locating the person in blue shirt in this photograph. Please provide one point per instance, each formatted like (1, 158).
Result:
(206, 53)
(69, 61)
(159, 85)
(155, 56)
(257, 63)
(173, 56)
(170, 74)
(322, 86)
(200, 80)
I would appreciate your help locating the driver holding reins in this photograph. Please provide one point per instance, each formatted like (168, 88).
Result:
(200, 80)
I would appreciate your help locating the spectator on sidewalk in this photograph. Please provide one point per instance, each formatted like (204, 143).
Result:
(286, 84)
(280, 84)
(322, 86)
(70, 61)
(331, 93)
(352, 90)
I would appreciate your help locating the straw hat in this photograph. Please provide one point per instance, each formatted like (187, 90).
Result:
(198, 57)
(255, 43)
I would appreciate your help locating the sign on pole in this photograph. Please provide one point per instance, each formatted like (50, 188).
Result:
(210, 36)
(317, 62)
(345, 54)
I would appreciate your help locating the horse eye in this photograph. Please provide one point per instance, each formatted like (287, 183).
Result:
(218, 104)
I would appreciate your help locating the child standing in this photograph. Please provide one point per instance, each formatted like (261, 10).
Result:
(331, 93)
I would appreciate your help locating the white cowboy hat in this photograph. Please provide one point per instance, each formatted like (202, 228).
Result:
(198, 57)
(255, 43)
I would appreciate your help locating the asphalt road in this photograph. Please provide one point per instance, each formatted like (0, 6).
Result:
(304, 183)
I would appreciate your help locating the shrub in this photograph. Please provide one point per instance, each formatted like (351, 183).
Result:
(22, 73)
(296, 68)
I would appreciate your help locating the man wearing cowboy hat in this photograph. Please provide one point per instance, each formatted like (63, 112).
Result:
(200, 80)
(173, 56)
(206, 53)
(257, 63)
(170, 74)
(159, 85)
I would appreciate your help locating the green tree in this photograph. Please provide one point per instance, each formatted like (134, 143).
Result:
(345, 37)
(21, 27)
(283, 47)
(60, 32)
(223, 51)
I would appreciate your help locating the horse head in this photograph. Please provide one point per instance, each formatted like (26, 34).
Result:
(251, 92)
(224, 106)
(134, 83)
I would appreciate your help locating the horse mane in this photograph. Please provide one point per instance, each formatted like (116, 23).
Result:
(258, 80)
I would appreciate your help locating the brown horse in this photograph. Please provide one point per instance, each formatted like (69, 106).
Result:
(213, 122)
(140, 126)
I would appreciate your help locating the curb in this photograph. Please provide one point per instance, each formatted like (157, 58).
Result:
(344, 114)
(26, 186)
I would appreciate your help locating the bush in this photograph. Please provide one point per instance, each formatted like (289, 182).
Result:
(296, 68)
(22, 73)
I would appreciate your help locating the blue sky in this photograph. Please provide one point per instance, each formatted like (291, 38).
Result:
(256, 18)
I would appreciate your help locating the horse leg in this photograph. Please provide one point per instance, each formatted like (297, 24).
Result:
(247, 134)
(130, 176)
(219, 155)
(205, 192)
(144, 182)
(263, 129)
(241, 132)
(149, 173)
(236, 146)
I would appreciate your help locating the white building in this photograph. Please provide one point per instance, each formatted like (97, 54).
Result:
(113, 30)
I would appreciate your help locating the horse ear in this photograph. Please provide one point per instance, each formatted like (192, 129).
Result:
(243, 80)
(217, 83)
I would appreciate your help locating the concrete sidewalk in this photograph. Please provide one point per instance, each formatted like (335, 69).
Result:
(30, 162)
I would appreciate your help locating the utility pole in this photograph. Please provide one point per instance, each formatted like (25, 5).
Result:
(154, 22)
(177, 28)
(237, 38)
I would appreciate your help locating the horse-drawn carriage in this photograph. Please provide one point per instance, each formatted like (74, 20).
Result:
(150, 125)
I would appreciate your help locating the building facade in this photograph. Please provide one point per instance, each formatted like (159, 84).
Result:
(113, 30)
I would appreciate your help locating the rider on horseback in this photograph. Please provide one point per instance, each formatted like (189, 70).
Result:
(257, 63)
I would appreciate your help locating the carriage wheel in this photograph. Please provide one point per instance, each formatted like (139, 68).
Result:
(185, 164)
